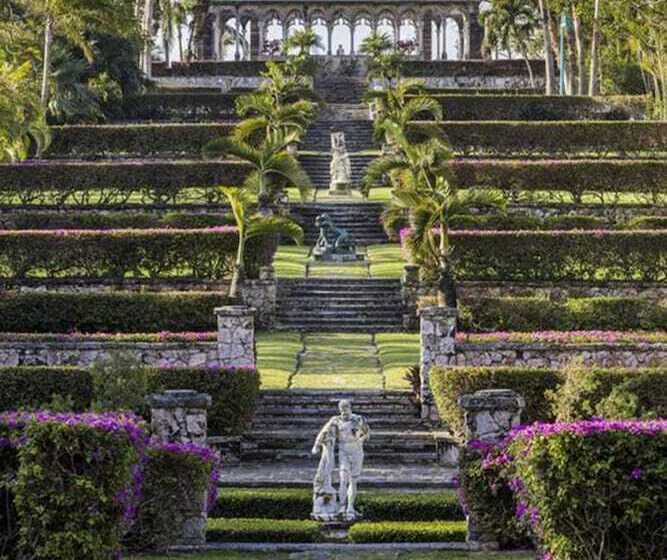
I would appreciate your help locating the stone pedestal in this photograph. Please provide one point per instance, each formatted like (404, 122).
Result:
(236, 336)
(437, 341)
(261, 295)
(180, 417)
(489, 415)
(410, 291)
(325, 506)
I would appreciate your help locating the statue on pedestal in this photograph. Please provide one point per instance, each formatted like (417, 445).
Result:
(334, 243)
(350, 432)
(341, 168)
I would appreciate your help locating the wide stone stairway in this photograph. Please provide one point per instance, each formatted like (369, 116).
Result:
(340, 305)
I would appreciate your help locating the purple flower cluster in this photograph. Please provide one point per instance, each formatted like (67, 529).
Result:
(226, 229)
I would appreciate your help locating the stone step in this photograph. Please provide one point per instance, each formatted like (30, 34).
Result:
(313, 417)
(403, 407)
(389, 457)
(341, 282)
(327, 327)
(365, 396)
(343, 307)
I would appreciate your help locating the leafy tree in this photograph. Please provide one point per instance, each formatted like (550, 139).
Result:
(385, 62)
(252, 225)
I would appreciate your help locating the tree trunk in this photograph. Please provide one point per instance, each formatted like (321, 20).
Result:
(238, 276)
(147, 28)
(570, 61)
(581, 66)
(594, 84)
(200, 15)
(447, 292)
(46, 70)
(524, 54)
(550, 74)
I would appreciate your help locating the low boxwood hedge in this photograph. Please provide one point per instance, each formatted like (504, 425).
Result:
(234, 393)
(263, 530)
(297, 503)
(449, 384)
(245, 68)
(190, 106)
(408, 531)
(511, 68)
(34, 387)
(119, 312)
(151, 253)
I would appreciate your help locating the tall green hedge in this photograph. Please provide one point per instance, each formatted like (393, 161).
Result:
(118, 254)
(449, 384)
(116, 312)
(33, 387)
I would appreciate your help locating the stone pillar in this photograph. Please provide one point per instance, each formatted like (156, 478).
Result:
(255, 39)
(180, 417)
(489, 415)
(237, 35)
(262, 295)
(352, 28)
(410, 289)
(437, 340)
(475, 36)
(426, 38)
(443, 25)
(236, 336)
(329, 38)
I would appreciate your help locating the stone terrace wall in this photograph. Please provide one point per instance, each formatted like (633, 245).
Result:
(172, 354)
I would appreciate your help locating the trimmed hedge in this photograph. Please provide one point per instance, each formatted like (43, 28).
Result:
(297, 503)
(115, 220)
(565, 137)
(245, 68)
(191, 106)
(526, 314)
(133, 139)
(234, 393)
(472, 68)
(402, 531)
(118, 182)
(34, 387)
(263, 530)
(449, 384)
(597, 255)
(152, 253)
(123, 312)
(505, 107)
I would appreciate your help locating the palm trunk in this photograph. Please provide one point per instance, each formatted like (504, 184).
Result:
(570, 61)
(550, 73)
(46, 71)
(524, 54)
(594, 84)
(238, 275)
(447, 296)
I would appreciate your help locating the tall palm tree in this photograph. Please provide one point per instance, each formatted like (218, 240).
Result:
(385, 61)
(273, 167)
(509, 25)
(253, 225)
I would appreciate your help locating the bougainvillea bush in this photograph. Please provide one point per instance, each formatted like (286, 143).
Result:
(587, 490)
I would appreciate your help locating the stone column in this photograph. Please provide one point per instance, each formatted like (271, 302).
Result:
(236, 336)
(410, 288)
(237, 35)
(262, 295)
(475, 36)
(438, 40)
(180, 417)
(329, 38)
(255, 39)
(489, 415)
(443, 25)
(352, 28)
(437, 340)
(426, 38)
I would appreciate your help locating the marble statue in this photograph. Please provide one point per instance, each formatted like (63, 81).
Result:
(350, 432)
(341, 168)
(333, 243)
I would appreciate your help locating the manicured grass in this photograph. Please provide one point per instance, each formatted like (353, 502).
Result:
(329, 270)
(297, 503)
(290, 261)
(397, 352)
(386, 261)
(263, 530)
(404, 531)
(277, 358)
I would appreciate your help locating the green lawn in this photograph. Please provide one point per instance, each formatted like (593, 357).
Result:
(277, 358)
(397, 352)
(386, 261)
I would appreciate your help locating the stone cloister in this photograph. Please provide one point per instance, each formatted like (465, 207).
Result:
(253, 29)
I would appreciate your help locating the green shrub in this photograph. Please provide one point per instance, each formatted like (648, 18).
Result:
(67, 485)
(525, 314)
(9, 464)
(296, 503)
(119, 312)
(112, 183)
(31, 387)
(593, 490)
(234, 393)
(133, 139)
(204, 254)
(574, 222)
(190, 106)
(120, 382)
(648, 222)
(263, 530)
(403, 531)
(536, 385)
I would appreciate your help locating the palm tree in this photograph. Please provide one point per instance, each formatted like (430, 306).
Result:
(509, 24)
(253, 225)
(273, 167)
(384, 61)
(303, 41)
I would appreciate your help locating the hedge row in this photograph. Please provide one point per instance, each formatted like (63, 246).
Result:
(537, 138)
(191, 106)
(472, 68)
(263, 531)
(117, 182)
(119, 312)
(133, 139)
(234, 392)
(539, 107)
(449, 384)
(118, 254)
(297, 503)
(561, 255)
(246, 68)
(410, 532)
(114, 220)
(526, 314)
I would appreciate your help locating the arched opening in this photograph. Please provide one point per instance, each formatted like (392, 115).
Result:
(273, 37)
(362, 29)
(386, 27)
(234, 40)
(294, 25)
(319, 27)
(407, 37)
(341, 37)
(454, 44)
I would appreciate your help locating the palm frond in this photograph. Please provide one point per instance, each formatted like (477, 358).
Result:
(275, 225)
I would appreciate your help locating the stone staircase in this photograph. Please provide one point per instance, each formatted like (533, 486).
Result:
(340, 305)
(318, 168)
(287, 422)
(338, 88)
(358, 135)
(362, 220)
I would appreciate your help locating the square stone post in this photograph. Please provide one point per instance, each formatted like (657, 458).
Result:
(262, 295)
(427, 38)
(180, 417)
(236, 336)
(255, 41)
(437, 341)
(410, 291)
(489, 415)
